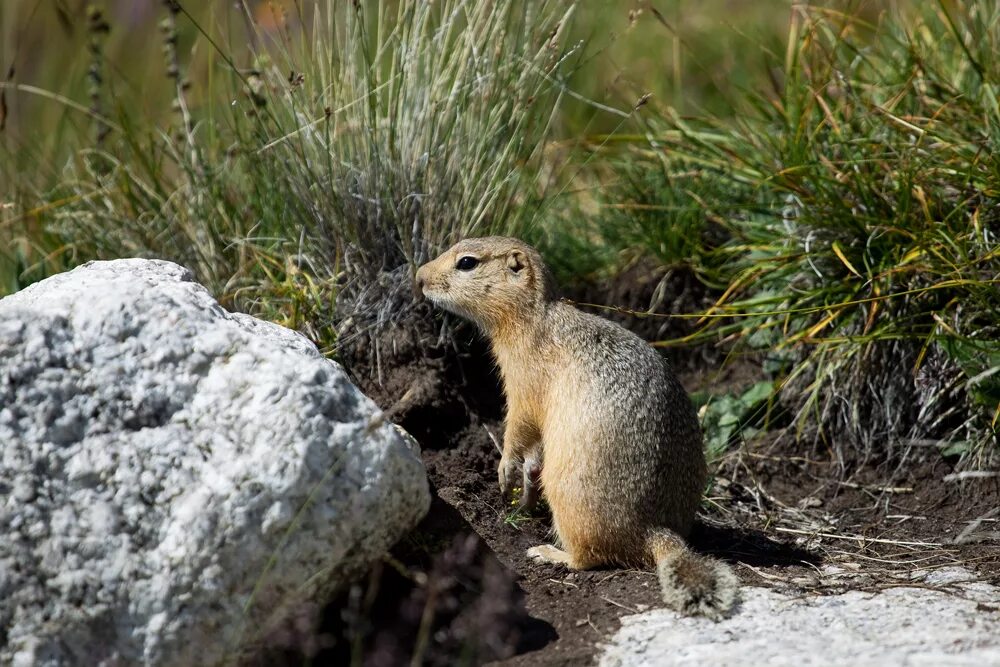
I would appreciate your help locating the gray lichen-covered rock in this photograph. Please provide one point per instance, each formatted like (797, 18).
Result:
(948, 617)
(176, 481)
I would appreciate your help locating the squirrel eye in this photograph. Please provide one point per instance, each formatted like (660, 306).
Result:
(467, 263)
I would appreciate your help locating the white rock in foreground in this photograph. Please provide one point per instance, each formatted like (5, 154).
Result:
(174, 479)
(897, 626)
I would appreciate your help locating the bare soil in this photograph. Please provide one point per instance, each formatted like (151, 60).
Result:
(460, 590)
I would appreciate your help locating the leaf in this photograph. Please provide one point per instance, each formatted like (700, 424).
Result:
(759, 392)
(843, 258)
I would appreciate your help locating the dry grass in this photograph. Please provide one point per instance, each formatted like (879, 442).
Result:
(852, 535)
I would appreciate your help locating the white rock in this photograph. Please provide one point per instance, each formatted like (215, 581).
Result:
(897, 626)
(175, 479)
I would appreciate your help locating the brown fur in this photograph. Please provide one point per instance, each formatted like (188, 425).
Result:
(599, 411)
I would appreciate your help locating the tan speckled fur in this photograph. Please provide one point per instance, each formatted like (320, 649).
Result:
(599, 412)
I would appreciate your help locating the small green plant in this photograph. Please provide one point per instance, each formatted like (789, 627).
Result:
(516, 518)
(728, 418)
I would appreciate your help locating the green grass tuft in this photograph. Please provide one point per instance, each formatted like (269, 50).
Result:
(860, 200)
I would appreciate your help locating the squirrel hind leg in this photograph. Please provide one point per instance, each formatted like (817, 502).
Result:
(692, 584)
(548, 553)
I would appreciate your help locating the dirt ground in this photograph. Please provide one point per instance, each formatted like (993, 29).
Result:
(460, 590)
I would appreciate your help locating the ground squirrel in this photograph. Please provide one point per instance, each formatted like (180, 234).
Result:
(603, 428)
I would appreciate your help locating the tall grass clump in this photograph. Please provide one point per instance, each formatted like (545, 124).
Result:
(417, 124)
(179, 186)
(325, 156)
(864, 256)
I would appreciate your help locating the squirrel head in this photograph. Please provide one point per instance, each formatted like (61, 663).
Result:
(497, 282)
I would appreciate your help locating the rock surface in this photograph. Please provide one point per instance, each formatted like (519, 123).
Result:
(951, 619)
(176, 481)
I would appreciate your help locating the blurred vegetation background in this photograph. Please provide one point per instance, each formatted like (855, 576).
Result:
(824, 174)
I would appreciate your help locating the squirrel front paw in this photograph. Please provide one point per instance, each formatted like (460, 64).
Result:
(506, 475)
(532, 481)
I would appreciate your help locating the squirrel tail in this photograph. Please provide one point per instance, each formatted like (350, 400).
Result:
(692, 584)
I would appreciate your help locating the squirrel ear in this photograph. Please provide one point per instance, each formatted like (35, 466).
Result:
(516, 261)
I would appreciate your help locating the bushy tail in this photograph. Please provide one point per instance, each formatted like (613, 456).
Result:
(692, 584)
